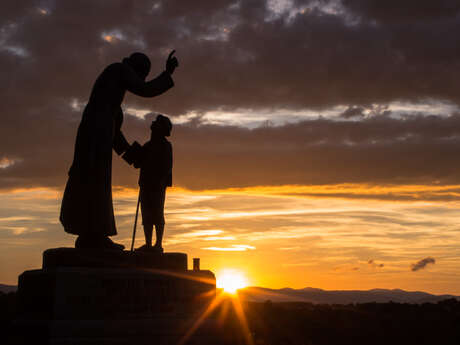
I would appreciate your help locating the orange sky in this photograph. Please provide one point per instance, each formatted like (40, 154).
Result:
(277, 236)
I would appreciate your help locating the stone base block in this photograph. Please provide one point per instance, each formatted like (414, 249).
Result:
(72, 257)
(67, 293)
(112, 297)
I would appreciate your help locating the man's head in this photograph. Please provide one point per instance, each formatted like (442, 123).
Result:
(162, 125)
(140, 63)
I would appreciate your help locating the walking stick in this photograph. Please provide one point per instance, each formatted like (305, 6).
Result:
(135, 220)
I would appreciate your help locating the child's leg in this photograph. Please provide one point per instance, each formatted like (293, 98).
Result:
(148, 230)
(160, 222)
(159, 229)
(147, 220)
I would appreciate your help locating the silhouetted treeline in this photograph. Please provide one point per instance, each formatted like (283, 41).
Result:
(369, 323)
(300, 323)
(7, 305)
(7, 312)
(293, 323)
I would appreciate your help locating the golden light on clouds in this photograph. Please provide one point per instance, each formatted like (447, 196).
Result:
(200, 233)
(108, 38)
(432, 192)
(43, 11)
(347, 191)
(6, 162)
(232, 248)
(112, 36)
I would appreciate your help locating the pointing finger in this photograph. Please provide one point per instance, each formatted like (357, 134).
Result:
(171, 54)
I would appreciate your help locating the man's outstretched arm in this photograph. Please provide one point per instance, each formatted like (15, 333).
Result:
(153, 87)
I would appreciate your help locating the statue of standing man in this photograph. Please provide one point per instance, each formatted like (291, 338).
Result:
(87, 209)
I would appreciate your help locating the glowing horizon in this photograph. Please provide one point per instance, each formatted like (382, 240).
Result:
(279, 236)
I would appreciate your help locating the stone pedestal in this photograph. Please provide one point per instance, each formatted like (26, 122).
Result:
(94, 297)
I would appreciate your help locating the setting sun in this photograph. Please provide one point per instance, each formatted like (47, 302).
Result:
(231, 280)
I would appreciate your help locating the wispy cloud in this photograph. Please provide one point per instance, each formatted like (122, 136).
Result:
(201, 233)
(196, 235)
(289, 248)
(387, 192)
(232, 248)
(219, 238)
(16, 219)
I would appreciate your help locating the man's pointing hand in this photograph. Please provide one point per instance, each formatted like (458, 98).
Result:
(171, 63)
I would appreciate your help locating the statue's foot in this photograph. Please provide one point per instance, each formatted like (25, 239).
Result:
(157, 249)
(149, 249)
(144, 248)
(79, 243)
(87, 242)
(107, 243)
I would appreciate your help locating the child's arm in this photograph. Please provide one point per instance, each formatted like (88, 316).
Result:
(134, 155)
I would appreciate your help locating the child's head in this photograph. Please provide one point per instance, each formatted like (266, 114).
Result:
(162, 126)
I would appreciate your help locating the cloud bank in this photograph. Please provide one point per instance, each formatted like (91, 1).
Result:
(234, 55)
(376, 150)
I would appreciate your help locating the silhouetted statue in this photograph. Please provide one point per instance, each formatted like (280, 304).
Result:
(87, 208)
(156, 175)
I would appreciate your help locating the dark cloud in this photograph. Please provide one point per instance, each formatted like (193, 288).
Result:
(407, 10)
(231, 55)
(360, 111)
(376, 150)
(413, 150)
(353, 112)
(422, 264)
(235, 55)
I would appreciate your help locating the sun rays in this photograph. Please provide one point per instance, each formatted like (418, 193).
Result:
(219, 307)
(228, 302)
(229, 280)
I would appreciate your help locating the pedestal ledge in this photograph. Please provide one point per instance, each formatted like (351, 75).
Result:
(72, 257)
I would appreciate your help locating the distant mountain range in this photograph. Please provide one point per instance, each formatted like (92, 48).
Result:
(319, 296)
(7, 288)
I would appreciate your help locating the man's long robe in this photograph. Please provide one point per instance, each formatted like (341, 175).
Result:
(87, 207)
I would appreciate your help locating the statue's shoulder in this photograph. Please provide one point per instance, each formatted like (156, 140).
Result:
(110, 72)
(116, 66)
